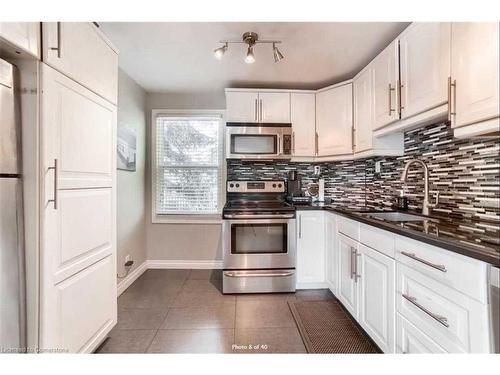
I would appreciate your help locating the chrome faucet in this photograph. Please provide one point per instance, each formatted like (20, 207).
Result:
(426, 205)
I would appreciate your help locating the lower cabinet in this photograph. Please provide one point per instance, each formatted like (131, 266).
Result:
(347, 287)
(410, 340)
(310, 249)
(376, 296)
(331, 253)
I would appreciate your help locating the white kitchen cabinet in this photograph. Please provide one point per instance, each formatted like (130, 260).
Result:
(347, 283)
(385, 82)
(80, 51)
(274, 107)
(303, 118)
(310, 249)
(363, 110)
(475, 78)
(424, 49)
(332, 261)
(334, 120)
(376, 297)
(242, 106)
(78, 225)
(25, 35)
(254, 106)
(410, 340)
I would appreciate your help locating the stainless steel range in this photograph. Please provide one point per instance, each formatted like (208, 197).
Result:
(259, 243)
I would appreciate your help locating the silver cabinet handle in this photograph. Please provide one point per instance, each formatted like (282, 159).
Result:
(354, 264)
(400, 97)
(391, 89)
(56, 177)
(451, 101)
(441, 319)
(257, 274)
(316, 139)
(58, 48)
(300, 226)
(256, 111)
(261, 111)
(439, 267)
(293, 143)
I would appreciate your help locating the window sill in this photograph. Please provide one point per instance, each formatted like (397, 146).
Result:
(187, 219)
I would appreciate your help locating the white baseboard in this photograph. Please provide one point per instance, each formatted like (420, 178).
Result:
(185, 264)
(131, 277)
(320, 285)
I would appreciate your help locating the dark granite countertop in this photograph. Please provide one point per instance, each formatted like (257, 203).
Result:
(476, 239)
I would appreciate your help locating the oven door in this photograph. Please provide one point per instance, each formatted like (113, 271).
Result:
(253, 244)
(255, 142)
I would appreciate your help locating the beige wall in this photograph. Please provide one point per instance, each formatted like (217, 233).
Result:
(174, 242)
(131, 207)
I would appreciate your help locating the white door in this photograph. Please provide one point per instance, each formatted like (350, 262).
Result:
(363, 110)
(424, 49)
(242, 106)
(303, 118)
(376, 297)
(474, 67)
(348, 286)
(332, 261)
(25, 35)
(80, 51)
(385, 80)
(274, 107)
(78, 255)
(310, 249)
(410, 340)
(334, 120)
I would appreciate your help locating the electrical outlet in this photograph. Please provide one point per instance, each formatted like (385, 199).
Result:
(317, 169)
(377, 166)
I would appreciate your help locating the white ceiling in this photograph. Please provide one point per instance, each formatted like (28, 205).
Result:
(178, 57)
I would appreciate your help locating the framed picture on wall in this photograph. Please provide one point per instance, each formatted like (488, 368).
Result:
(126, 147)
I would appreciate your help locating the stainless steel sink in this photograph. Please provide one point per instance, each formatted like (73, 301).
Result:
(396, 216)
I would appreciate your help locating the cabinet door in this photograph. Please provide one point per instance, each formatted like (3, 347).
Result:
(334, 121)
(363, 110)
(242, 106)
(474, 67)
(303, 118)
(347, 287)
(25, 35)
(332, 262)
(310, 248)
(78, 131)
(80, 51)
(274, 107)
(376, 299)
(425, 66)
(385, 79)
(410, 340)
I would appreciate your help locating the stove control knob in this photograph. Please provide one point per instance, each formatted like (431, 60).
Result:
(279, 185)
(274, 185)
(231, 185)
(237, 185)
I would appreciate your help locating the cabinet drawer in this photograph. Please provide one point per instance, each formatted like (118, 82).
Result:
(454, 321)
(410, 340)
(464, 274)
(377, 239)
(348, 227)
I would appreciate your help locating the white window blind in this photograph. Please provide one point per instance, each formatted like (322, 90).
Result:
(188, 164)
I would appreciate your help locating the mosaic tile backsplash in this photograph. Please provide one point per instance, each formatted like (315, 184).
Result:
(465, 172)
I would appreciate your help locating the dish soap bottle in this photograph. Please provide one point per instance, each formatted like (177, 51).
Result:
(402, 201)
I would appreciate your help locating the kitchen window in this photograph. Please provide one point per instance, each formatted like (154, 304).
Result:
(187, 166)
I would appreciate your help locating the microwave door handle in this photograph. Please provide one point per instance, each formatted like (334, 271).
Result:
(279, 145)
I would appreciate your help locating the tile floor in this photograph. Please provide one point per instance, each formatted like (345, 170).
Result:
(183, 311)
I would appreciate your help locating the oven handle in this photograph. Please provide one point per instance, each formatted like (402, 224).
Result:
(257, 274)
(256, 217)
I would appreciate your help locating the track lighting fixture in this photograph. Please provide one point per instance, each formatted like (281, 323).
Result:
(251, 39)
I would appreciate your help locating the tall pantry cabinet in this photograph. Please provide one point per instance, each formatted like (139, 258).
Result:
(78, 183)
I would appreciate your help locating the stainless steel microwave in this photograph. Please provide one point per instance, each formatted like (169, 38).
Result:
(258, 141)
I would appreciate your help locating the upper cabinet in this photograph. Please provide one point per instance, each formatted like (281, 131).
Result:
(385, 85)
(258, 107)
(80, 51)
(334, 120)
(24, 35)
(363, 110)
(474, 82)
(425, 67)
(303, 118)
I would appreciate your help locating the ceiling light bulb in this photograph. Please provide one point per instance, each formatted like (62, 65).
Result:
(250, 58)
(219, 52)
(278, 56)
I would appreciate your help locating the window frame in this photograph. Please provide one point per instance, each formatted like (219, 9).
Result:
(188, 218)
